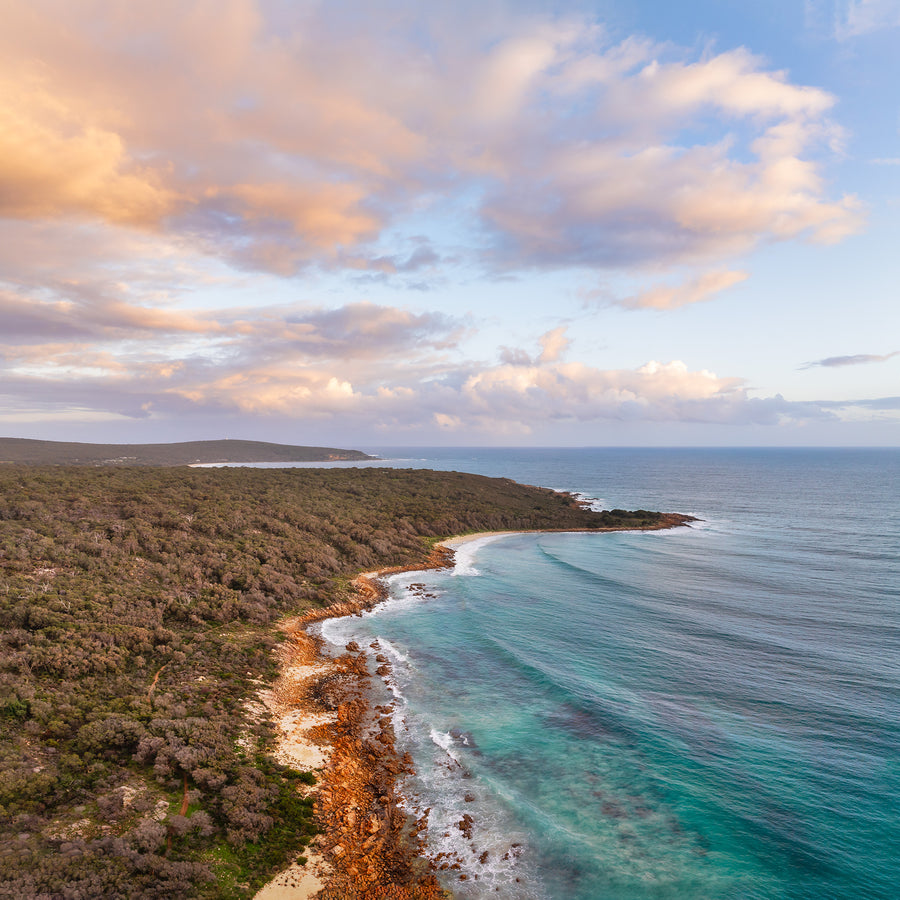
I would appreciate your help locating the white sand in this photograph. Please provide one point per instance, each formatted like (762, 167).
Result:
(454, 542)
(297, 882)
(296, 749)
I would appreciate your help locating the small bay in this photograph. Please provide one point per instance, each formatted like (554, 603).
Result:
(707, 712)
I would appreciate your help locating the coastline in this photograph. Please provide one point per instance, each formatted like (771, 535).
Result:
(368, 847)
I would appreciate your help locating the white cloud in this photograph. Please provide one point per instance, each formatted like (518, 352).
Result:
(854, 18)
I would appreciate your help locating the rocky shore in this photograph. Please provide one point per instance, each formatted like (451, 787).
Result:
(369, 848)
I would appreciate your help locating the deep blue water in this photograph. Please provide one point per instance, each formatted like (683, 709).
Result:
(711, 712)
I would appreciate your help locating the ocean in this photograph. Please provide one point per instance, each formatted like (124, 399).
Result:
(706, 712)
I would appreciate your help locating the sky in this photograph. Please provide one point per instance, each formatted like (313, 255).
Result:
(365, 224)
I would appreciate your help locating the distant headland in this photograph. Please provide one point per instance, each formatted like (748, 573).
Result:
(186, 453)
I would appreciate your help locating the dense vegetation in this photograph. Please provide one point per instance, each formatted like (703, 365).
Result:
(137, 611)
(61, 453)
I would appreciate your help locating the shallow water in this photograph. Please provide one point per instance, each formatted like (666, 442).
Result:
(710, 712)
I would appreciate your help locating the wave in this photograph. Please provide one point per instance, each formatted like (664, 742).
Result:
(334, 632)
(444, 740)
(393, 651)
(465, 553)
(590, 575)
(587, 705)
(468, 831)
(595, 504)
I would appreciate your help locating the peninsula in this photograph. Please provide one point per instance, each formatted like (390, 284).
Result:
(187, 453)
(148, 615)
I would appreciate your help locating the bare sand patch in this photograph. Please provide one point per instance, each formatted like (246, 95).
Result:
(297, 882)
(300, 744)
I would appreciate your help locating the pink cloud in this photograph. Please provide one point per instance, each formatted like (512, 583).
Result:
(553, 345)
(695, 290)
(285, 138)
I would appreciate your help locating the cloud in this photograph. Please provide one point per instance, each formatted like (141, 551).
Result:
(631, 185)
(87, 324)
(553, 345)
(277, 227)
(168, 170)
(832, 362)
(575, 391)
(27, 320)
(321, 366)
(515, 356)
(282, 138)
(854, 18)
(354, 331)
(879, 403)
(695, 290)
(57, 161)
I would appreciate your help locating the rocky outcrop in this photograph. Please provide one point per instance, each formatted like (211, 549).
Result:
(372, 844)
(373, 848)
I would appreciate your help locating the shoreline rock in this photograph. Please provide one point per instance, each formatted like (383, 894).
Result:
(368, 848)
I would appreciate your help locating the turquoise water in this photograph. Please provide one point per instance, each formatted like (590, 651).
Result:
(710, 712)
